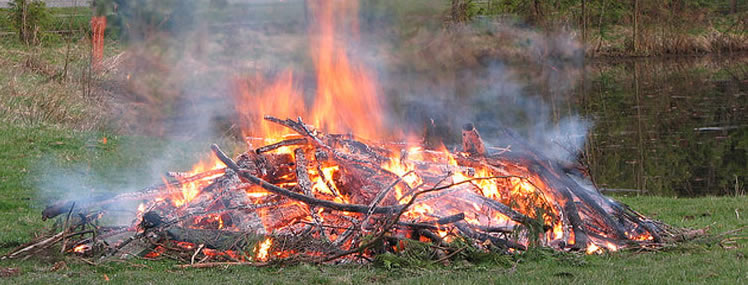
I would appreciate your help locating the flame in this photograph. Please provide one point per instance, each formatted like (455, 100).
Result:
(592, 249)
(261, 251)
(611, 247)
(190, 190)
(80, 249)
(346, 91)
(320, 185)
(156, 252)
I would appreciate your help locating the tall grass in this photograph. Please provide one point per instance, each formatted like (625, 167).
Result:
(36, 88)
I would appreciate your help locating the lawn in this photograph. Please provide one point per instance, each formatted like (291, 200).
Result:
(45, 162)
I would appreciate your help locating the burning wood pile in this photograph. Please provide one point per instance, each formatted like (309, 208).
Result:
(319, 197)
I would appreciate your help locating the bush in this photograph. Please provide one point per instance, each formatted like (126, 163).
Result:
(27, 17)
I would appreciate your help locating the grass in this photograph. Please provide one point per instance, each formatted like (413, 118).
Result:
(29, 155)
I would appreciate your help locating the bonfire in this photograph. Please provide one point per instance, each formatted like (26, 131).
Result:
(345, 188)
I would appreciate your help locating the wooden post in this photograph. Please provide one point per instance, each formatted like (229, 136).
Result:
(98, 25)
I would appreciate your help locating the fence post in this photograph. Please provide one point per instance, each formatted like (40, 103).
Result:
(98, 25)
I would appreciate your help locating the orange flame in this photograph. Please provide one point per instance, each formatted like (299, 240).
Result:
(190, 190)
(81, 248)
(346, 92)
(261, 251)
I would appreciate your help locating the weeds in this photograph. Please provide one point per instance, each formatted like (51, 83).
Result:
(35, 91)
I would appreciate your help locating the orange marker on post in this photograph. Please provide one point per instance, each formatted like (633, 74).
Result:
(98, 25)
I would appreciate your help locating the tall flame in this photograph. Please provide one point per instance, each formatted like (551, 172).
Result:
(346, 92)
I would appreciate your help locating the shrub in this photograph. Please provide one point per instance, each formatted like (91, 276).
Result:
(27, 17)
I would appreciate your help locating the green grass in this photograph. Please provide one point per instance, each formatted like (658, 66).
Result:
(28, 155)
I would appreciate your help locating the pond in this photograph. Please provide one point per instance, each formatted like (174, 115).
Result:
(669, 126)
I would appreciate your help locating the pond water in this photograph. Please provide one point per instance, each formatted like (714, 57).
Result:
(669, 126)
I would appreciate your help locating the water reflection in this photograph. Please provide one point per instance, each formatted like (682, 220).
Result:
(669, 126)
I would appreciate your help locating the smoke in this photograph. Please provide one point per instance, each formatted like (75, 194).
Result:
(511, 81)
(514, 83)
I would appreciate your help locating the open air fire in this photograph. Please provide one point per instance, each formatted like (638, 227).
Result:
(343, 187)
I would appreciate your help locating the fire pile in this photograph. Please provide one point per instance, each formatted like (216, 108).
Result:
(321, 197)
(318, 193)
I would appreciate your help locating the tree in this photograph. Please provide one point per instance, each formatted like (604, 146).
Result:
(635, 39)
(28, 18)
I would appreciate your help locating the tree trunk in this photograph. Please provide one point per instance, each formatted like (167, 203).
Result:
(635, 39)
(584, 22)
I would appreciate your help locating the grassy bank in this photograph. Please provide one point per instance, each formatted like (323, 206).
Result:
(33, 158)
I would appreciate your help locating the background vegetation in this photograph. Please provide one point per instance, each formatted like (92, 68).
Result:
(637, 28)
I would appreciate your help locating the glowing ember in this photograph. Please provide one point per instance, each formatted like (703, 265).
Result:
(80, 249)
(261, 253)
(593, 248)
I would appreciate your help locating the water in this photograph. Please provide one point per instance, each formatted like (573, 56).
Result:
(674, 126)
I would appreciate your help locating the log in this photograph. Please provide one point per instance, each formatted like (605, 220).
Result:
(302, 173)
(503, 209)
(213, 239)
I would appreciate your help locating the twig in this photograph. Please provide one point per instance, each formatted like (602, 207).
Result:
(65, 228)
(35, 246)
(448, 256)
(389, 225)
(199, 249)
